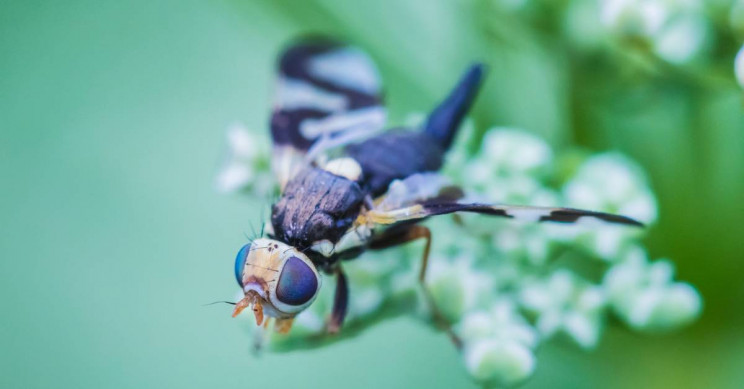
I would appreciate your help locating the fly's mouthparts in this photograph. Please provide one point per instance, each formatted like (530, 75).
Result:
(240, 306)
(258, 311)
(251, 298)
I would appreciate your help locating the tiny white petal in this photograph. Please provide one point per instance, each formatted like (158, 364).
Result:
(309, 321)
(505, 363)
(660, 272)
(582, 329)
(646, 301)
(234, 177)
(477, 325)
(682, 39)
(366, 301)
(591, 299)
(240, 141)
(549, 322)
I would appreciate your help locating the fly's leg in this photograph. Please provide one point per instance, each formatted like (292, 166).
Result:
(400, 235)
(340, 302)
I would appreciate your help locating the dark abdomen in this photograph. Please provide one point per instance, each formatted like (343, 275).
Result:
(395, 155)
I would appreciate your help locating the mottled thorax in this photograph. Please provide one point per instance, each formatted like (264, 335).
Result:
(316, 205)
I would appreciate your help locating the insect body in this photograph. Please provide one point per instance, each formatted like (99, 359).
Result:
(369, 197)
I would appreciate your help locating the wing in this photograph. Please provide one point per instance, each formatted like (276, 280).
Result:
(328, 94)
(418, 188)
(525, 213)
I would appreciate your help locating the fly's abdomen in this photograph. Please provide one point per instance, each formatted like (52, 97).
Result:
(395, 155)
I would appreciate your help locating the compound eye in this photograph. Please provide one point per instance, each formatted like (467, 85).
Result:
(240, 263)
(297, 284)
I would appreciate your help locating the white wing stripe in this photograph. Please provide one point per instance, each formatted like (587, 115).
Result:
(349, 68)
(297, 94)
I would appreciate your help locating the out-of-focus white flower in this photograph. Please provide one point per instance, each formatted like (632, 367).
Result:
(739, 66)
(310, 321)
(645, 295)
(508, 167)
(516, 190)
(682, 38)
(502, 321)
(498, 362)
(634, 17)
(604, 241)
(247, 162)
(498, 344)
(564, 303)
(675, 30)
(369, 281)
(611, 183)
(452, 239)
(457, 286)
(514, 152)
(527, 242)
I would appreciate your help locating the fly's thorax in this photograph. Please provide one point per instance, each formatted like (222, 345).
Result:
(277, 277)
(316, 205)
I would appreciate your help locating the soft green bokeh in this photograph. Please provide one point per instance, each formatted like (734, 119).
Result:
(112, 236)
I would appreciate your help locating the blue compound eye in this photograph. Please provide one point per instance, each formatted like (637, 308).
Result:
(297, 283)
(240, 263)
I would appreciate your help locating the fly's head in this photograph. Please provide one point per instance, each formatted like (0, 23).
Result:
(277, 279)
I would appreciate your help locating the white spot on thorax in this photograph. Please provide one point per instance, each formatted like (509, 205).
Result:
(344, 167)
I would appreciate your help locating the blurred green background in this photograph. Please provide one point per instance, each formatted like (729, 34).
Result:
(112, 236)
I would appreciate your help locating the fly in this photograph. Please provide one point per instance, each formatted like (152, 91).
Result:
(331, 210)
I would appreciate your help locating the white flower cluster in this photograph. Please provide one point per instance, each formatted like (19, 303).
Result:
(498, 344)
(563, 302)
(612, 183)
(676, 30)
(504, 286)
(247, 164)
(645, 295)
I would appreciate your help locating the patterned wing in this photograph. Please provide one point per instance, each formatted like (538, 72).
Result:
(525, 213)
(418, 188)
(328, 94)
